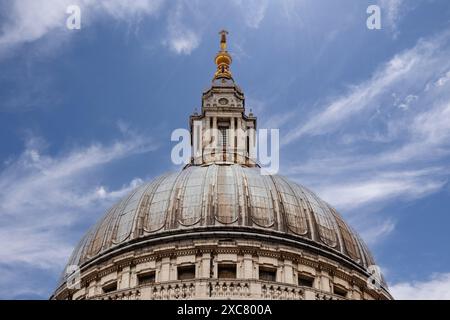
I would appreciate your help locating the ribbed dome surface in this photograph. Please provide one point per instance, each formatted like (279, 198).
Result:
(221, 195)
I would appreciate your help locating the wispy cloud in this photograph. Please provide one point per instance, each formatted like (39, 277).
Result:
(392, 12)
(182, 39)
(32, 20)
(253, 11)
(437, 287)
(410, 70)
(385, 139)
(382, 187)
(378, 230)
(42, 197)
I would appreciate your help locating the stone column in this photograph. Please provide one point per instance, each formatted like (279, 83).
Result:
(240, 146)
(164, 273)
(231, 135)
(124, 278)
(216, 137)
(205, 266)
(325, 281)
(246, 270)
(288, 272)
(202, 287)
(207, 140)
(92, 289)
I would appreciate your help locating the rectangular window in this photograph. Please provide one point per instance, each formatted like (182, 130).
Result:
(267, 274)
(186, 272)
(226, 271)
(305, 281)
(340, 291)
(110, 287)
(146, 278)
(223, 139)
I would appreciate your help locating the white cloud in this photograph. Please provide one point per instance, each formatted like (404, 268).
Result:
(392, 12)
(253, 11)
(376, 231)
(436, 288)
(182, 39)
(409, 70)
(443, 80)
(382, 187)
(31, 20)
(43, 197)
(368, 151)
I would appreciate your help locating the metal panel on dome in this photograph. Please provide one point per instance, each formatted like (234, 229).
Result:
(324, 219)
(97, 241)
(367, 254)
(127, 215)
(160, 203)
(296, 218)
(191, 198)
(261, 205)
(227, 202)
(351, 247)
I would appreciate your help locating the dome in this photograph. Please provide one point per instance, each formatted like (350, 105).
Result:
(220, 228)
(231, 198)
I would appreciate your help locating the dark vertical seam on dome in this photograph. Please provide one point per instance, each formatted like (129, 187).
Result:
(180, 190)
(138, 220)
(205, 209)
(171, 209)
(107, 221)
(211, 194)
(202, 198)
(88, 244)
(234, 217)
(369, 258)
(315, 233)
(342, 225)
(303, 214)
(252, 206)
(237, 212)
(183, 188)
(333, 220)
(309, 214)
(248, 214)
(147, 216)
(280, 212)
(113, 231)
(361, 250)
(239, 193)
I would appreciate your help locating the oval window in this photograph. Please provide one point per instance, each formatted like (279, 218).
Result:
(223, 101)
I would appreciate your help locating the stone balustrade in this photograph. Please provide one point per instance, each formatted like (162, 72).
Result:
(215, 289)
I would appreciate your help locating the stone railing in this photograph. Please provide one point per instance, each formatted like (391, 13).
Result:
(231, 289)
(320, 295)
(173, 291)
(127, 294)
(218, 289)
(272, 291)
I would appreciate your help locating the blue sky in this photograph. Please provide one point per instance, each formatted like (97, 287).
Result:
(364, 117)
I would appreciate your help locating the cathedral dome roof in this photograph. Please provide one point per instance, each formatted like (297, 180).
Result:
(218, 212)
(228, 198)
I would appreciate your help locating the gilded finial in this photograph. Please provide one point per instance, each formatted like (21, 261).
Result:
(223, 40)
(223, 59)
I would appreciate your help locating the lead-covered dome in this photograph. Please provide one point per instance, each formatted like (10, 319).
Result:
(219, 228)
(229, 197)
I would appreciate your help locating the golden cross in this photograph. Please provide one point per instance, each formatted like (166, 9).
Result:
(223, 40)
